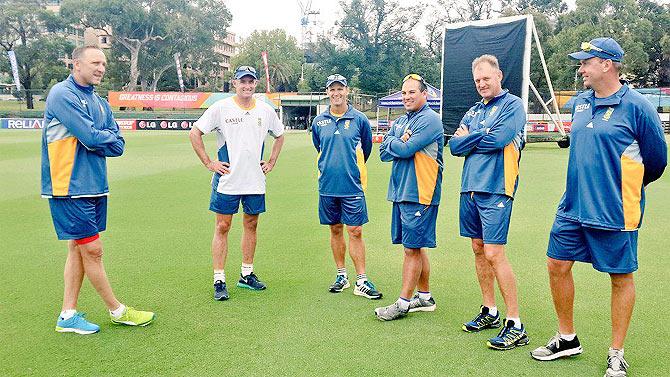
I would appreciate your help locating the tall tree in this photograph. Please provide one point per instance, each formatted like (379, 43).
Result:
(192, 26)
(379, 34)
(284, 58)
(619, 19)
(29, 29)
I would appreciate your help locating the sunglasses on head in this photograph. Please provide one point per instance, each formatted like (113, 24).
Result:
(587, 46)
(246, 68)
(414, 76)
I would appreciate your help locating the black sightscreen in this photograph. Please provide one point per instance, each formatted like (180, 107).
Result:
(461, 46)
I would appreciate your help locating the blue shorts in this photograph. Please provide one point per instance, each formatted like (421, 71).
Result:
(413, 225)
(610, 251)
(225, 204)
(485, 216)
(350, 210)
(77, 218)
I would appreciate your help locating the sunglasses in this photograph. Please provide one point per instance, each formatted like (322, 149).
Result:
(246, 68)
(336, 77)
(414, 76)
(587, 46)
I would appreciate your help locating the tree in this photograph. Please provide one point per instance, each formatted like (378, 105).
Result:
(619, 19)
(29, 29)
(151, 31)
(378, 35)
(284, 58)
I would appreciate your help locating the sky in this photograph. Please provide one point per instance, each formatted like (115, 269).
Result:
(250, 15)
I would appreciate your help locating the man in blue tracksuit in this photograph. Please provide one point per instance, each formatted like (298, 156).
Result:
(414, 144)
(79, 132)
(617, 148)
(490, 138)
(343, 138)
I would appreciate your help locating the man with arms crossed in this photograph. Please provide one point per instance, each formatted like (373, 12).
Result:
(343, 138)
(490, 138)
(414, 144)
(79, 132)
(241, 124)
(616, 149)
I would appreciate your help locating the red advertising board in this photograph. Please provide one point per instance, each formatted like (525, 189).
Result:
(126, 124)
(158, 99)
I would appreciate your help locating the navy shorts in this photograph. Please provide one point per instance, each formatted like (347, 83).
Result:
(225, 204)
(413, 225)
(485, 216)
(77, 218)
(350, 210)
(611, 251)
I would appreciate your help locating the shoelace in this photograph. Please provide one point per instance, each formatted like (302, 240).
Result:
(554, 341)
(616, 361)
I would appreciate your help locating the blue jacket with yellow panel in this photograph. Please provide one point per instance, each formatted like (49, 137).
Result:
(416, 175)
(492, 149)
(344, 144)
(79, 132)
(616, 148)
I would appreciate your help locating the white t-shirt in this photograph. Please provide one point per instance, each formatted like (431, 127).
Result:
(240, 134)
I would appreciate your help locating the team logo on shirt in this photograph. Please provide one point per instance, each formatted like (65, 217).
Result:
(84, 103)
(493, 110)
(323, 122)
(260, 122)
(581, 107)
(608, 114)
(346, 124)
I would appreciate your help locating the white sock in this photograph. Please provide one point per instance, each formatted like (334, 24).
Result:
(493, 310)
(517, 322)
(247, 269)
(342, 271)
(403, 303)
(424, 295)
(118, 312)
(219, 275)
(67, 314)
(568, 337)
(361, 278)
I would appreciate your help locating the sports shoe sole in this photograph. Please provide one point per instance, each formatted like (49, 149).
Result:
(224, 298)
(129, 323)
(386, 320)
(557, 355)
(363, 294)
(242, 285)
(423, 309)
(76, 331)
(478, 329)
(521, 342)
(333, 290)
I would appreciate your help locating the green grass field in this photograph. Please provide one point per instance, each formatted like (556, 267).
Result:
(157, 257)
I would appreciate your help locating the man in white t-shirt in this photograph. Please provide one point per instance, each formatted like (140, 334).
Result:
(241, 124)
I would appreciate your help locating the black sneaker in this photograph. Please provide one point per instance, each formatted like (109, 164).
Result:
(220, 291)
(251, 282)
(556, 348)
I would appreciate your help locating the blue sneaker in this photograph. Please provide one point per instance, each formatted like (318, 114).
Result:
(483, 320)
(77, 324)
(220, 291)
(509, 337)
(251, 282)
